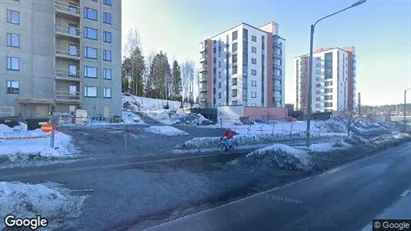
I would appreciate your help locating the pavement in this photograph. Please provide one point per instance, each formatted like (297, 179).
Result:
(345, 198)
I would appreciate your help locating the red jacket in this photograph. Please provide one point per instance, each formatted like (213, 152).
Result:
(229, 134)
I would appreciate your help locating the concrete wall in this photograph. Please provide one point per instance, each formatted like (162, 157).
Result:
(266, 113)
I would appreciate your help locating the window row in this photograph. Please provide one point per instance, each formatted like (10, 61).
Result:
(92, 14)
(13, 87)
(106, 2)
(91, 53)
(92, 33)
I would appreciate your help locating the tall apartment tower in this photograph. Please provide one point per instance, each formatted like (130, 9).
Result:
(60, 55)
(243, 65)
(333, 80)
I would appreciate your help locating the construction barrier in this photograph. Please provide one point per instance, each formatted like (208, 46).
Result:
(24, 138)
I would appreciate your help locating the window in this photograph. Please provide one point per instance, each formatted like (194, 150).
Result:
(72, 29)
(72, 50)
(106, 73)
(107, 2)
(234, 82)
(253, 61)
(219, 63)
(13, 63)
(328, 104)
(90, 52)
(253, 38)
(235, 46)
(13, 16)
(253, 72)
(318, 85)
(13, 87)
(107, 92)
(253, 83)
(318, 99)
(328, 90)
(235, 35)
(107, 36)
(234, 93)
(219, 95)
(328, 97)
(318, 92)
(254, 49)
(107, 55)
(253, 94)
(235, 69)
(234, 102)
(72, 70)
(318, 105)
(219, 74)
(107, 18)
(328, 83)
(90, 72)
(219, 85)
(90, 33)
(13, 40)
(90, 91)
(90, 13)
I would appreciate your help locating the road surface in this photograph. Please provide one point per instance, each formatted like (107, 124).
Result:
(345, 198)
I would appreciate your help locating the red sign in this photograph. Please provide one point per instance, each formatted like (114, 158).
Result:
(47, 128)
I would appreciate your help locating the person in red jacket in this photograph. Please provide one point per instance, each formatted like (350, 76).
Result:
(228, 136)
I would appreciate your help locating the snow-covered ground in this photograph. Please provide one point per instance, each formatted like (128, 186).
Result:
(138, 103)
(165, 130)
(23, 144)
(30, 200)
(129, 117)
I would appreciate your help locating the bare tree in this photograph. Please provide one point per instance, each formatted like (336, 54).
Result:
(136, 69)
(349, 118)
(187, 71)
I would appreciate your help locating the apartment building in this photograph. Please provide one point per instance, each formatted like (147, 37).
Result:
(243, 65)
(60, 55)
(333, 80)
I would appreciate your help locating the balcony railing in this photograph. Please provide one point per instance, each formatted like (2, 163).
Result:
(67, 8)
(67, 30)
(203, 69)
(68, 52)
(64, 96)
(64, 74)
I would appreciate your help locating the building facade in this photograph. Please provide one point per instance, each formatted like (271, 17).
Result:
(333, 80)
(243, 66)
(60, 55)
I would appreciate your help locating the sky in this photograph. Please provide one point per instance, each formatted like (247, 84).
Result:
(380, 30)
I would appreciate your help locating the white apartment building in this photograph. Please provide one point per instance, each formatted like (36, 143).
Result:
(243, 65)
(333, 80)
(60, 55)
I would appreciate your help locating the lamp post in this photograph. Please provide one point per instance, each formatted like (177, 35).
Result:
(405, 108)
(309, 108)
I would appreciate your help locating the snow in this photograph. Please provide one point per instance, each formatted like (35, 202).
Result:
(30, 145)
(6, 129)
(144, 104)
(279, 155)
(30, 200)
(131, 118)
(165, 130)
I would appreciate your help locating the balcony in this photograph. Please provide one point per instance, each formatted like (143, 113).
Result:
(63, 74)
(203, 58)
(202, 79)
(66, 10)
(203, 69)
(67, 97)
(68, 31)
(70, 52)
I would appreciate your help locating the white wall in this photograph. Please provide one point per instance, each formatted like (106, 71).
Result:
(229, 113)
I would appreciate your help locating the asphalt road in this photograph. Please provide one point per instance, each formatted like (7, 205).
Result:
(345, 198)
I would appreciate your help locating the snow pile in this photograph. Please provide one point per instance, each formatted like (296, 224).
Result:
(166, 130)
(279, 156)
(30, 200)
(131, 118)
(191, 119)
(137, 103)
(6, 129)
(15, 149)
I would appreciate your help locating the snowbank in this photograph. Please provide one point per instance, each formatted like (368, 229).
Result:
(166, 130)
(131, 118)
(30, 200)
(279, 156)
(246, 140)
(137, 103)
(6, 129)
(15, 149)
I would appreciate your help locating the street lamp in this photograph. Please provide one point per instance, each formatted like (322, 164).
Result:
(309, 109)
(405, 108)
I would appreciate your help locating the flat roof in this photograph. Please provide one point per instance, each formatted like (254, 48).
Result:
(316, 51)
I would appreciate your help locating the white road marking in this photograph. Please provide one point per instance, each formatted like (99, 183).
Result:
(405, 193)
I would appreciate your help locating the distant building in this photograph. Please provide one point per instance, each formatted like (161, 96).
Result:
(333, 80)
(243, 66)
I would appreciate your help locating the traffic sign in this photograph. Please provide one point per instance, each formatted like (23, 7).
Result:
(47, 128)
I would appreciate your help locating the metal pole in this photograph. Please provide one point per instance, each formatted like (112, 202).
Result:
(125, 137)
(310, 87)
(52, 136)
(405, 110)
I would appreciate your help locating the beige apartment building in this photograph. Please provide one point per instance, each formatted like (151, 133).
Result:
(60, 55)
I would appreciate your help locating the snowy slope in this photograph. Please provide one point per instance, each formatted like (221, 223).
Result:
(149, 104)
